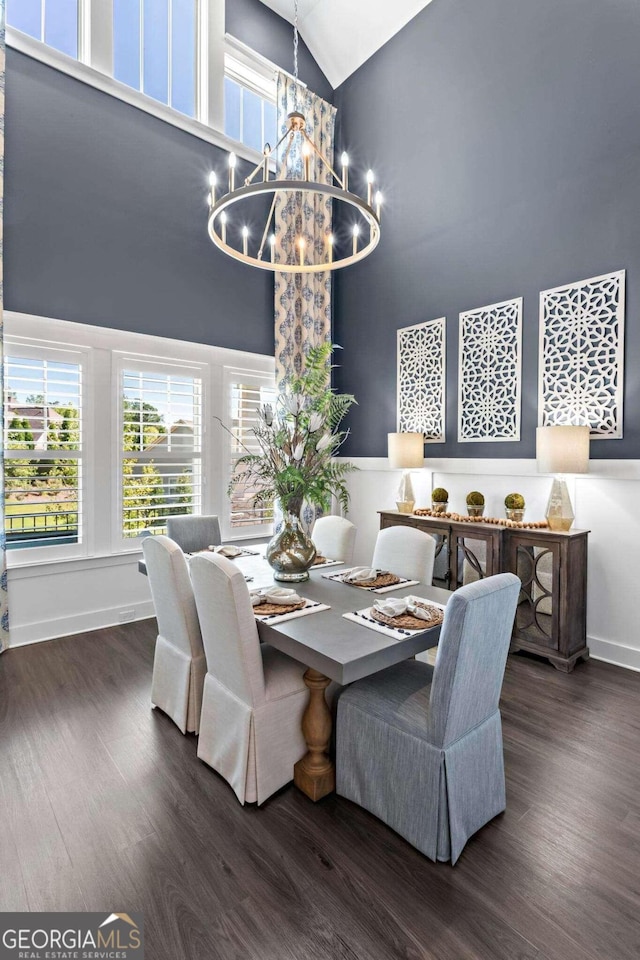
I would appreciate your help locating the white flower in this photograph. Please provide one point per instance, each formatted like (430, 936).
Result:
(298, 451)
(293, 403)
(266, 413)
(324, 442)
(315, 421)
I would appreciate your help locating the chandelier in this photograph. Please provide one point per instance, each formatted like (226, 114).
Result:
(230, 232)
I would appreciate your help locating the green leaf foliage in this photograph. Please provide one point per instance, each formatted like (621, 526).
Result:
(298, 441)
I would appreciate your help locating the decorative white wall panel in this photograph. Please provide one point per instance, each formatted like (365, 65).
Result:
(421, 379)
(581, 355)
(489, 380)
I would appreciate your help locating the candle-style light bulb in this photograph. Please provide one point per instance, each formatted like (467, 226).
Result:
(301, 245)
(212, 183)
(266, 153)
(330, 242)
(378, 203)
(272, 244)
(232, 171)
(370, 179)
(245, 240)
(306, 157)
(223, 224)
(344, 159)
(356, 234)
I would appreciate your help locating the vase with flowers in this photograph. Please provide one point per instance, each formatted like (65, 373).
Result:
(298, 438)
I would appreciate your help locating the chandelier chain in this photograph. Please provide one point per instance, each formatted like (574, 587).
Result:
(295, 39)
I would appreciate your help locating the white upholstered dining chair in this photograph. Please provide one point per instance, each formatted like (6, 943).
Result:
(254, 696)
(193, 532)
(334, 538)
(179, 664)
(405, 551)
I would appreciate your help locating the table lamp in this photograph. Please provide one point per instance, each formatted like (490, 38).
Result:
(561, 450)
(406, 452)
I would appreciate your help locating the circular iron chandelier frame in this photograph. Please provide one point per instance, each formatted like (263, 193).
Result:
(288, 186)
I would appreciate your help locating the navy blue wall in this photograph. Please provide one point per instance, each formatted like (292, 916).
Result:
(506, 139)
(105, 208)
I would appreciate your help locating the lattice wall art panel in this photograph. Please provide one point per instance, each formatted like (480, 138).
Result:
(581, 355)
(489, 375)
(421, 379)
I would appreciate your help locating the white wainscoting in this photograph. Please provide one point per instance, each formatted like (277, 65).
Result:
(57, 599)
(605, 502)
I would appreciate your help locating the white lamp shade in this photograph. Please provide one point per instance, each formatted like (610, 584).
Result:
(562, 449)
(406, 450)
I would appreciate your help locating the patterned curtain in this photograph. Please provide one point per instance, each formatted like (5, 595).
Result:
(302, 300)
(4, 607)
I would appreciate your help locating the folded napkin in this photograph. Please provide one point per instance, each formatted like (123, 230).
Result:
(360, 575)
(227, 550)
(279, 595)
(397, 606)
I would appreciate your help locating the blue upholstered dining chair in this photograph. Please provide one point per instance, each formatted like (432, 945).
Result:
(193, 532)
(420, 747)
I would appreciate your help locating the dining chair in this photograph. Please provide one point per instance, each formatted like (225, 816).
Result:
(420, 747)
(254, 696)
(193, 532)
(405, 551)
(334, 538)
(179, 664)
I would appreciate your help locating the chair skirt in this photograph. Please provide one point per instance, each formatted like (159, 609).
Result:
(177, 683)
(434, 797)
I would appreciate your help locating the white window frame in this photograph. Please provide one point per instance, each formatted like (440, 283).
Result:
(103, 545)
(94, 67)
(32, 349)
(250, 377)
(125, 361)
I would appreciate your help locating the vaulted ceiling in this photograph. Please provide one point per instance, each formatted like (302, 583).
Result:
(342, 34)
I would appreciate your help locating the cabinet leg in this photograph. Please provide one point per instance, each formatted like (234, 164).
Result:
(564, 666)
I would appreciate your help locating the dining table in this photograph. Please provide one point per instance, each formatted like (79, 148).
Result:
(332, 647)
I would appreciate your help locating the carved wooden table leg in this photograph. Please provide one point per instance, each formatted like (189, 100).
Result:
(315, 774)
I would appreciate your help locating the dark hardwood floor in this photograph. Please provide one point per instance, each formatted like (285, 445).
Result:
(105, 807)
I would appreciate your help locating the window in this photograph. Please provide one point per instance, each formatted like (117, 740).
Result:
(160, 445)
(168, 57)
(246, 393)
(42, 447)
(249, 104)
(248, 118)
(106, 436)
(54, 22)
(154, 49)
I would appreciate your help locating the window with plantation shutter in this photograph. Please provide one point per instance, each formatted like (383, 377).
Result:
(246, 392)
(161, 445)
(42, 447)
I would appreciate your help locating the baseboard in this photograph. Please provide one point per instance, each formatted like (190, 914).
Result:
(615, 653)
(37, 632)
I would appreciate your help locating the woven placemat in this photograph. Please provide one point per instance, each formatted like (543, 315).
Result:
(382, 580)
(273, 608)
(408, 622)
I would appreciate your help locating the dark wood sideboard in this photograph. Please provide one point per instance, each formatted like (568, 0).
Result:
(551, 619)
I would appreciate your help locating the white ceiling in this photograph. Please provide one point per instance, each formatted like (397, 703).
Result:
(342, 34)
